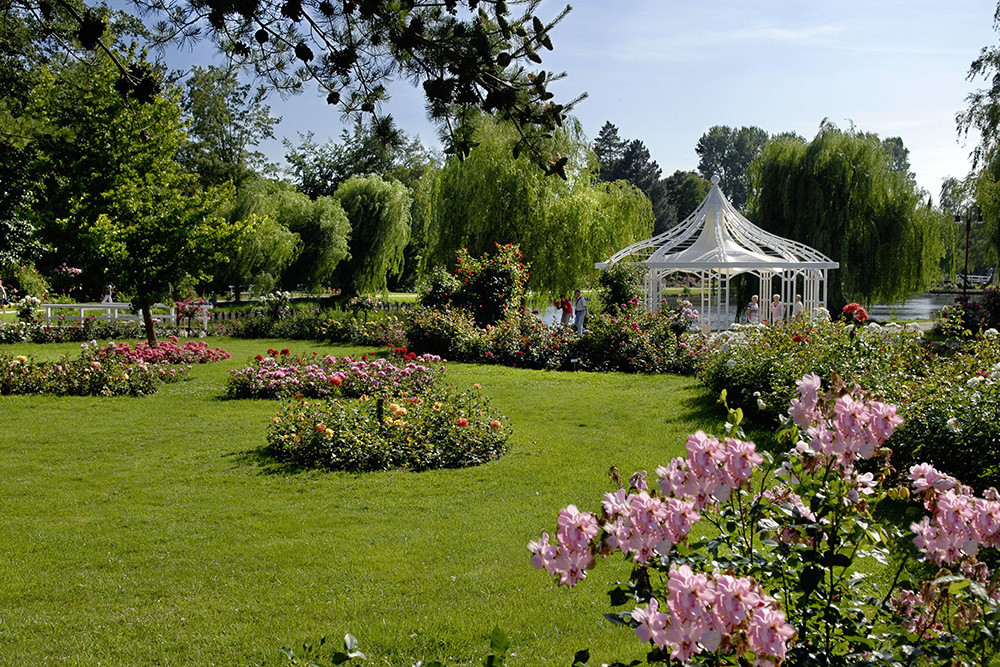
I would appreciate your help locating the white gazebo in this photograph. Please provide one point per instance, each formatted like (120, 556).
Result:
(716, 243)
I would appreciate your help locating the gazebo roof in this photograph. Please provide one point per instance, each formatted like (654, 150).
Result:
(716, 237)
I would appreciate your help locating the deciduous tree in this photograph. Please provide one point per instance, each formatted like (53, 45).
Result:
(379, 213)
(727, 152)
(563, 227)
(840, 195)
(226, 121)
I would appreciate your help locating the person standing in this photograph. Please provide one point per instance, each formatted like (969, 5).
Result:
(3, 296)
(567, 310)
(753, 309)
(777, 309)
(797, 308)
(580, 306)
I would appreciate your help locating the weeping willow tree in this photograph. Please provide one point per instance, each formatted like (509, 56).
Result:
(562, 226)
(379, 213)
(839, 195)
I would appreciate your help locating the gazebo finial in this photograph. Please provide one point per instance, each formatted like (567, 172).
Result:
(715, 179)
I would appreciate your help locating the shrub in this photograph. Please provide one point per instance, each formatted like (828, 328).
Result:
(438, 289)
(29, 280)
(953, 415)
(78, 331)
(948, 396)
(794, 563)
(619, 287)
(758, 364)
(276, 305)
(432, 429)
(977, 314)
(490, 287)
(364, 304)
(27, 307)
(167, 351)
(448, 333)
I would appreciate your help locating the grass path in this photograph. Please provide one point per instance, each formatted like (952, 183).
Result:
(151, 531)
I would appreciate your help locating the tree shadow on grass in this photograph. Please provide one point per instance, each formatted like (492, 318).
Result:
(708, 411)
(266, 464)
(703, 409)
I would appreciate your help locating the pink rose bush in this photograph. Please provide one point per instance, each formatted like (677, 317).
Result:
(739, 557)
(167, 351)
(312, 376)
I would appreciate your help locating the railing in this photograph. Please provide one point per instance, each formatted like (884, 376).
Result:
(117, 310)
(976, 279)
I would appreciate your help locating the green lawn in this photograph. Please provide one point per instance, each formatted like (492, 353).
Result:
(152, 531)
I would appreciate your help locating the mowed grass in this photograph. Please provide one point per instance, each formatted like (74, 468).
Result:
(153, 531)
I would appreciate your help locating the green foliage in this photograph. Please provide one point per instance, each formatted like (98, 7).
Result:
(839, 195)
(379, 214)
(563, 227)
(318, 170)
(630, 161)
(952, 413)
(620, 287)
(435, 428)
(947, 398)
(106, 148)
(154, 236)
(451, 334)
(762, 361)
(983, 112)
(73, 331)
(29, 280)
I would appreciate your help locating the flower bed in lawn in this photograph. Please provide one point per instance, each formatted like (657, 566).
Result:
(281, 373)
(433, 429)
(110, 370)
(166, 352)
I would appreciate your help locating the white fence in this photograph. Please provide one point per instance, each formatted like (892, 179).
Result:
(117, 310)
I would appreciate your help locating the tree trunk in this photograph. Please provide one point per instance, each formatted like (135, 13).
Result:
(147, 321)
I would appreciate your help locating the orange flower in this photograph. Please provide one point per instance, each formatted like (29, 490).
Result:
(495, 424)
(462, 422)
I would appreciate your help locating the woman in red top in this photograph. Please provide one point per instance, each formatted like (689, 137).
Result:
(567, 310)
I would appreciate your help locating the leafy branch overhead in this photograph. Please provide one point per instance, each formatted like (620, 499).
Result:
(469, 55)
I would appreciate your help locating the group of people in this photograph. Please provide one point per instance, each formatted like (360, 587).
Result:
(577, 307)
(777, 309)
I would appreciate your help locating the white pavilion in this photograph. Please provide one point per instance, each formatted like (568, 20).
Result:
(716, 243)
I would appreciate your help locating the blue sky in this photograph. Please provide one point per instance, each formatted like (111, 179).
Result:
(665, 71)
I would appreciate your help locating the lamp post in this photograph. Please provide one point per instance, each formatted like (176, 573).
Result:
(967, 219)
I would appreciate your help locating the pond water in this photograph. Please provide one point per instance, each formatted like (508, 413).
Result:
(923, 307)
